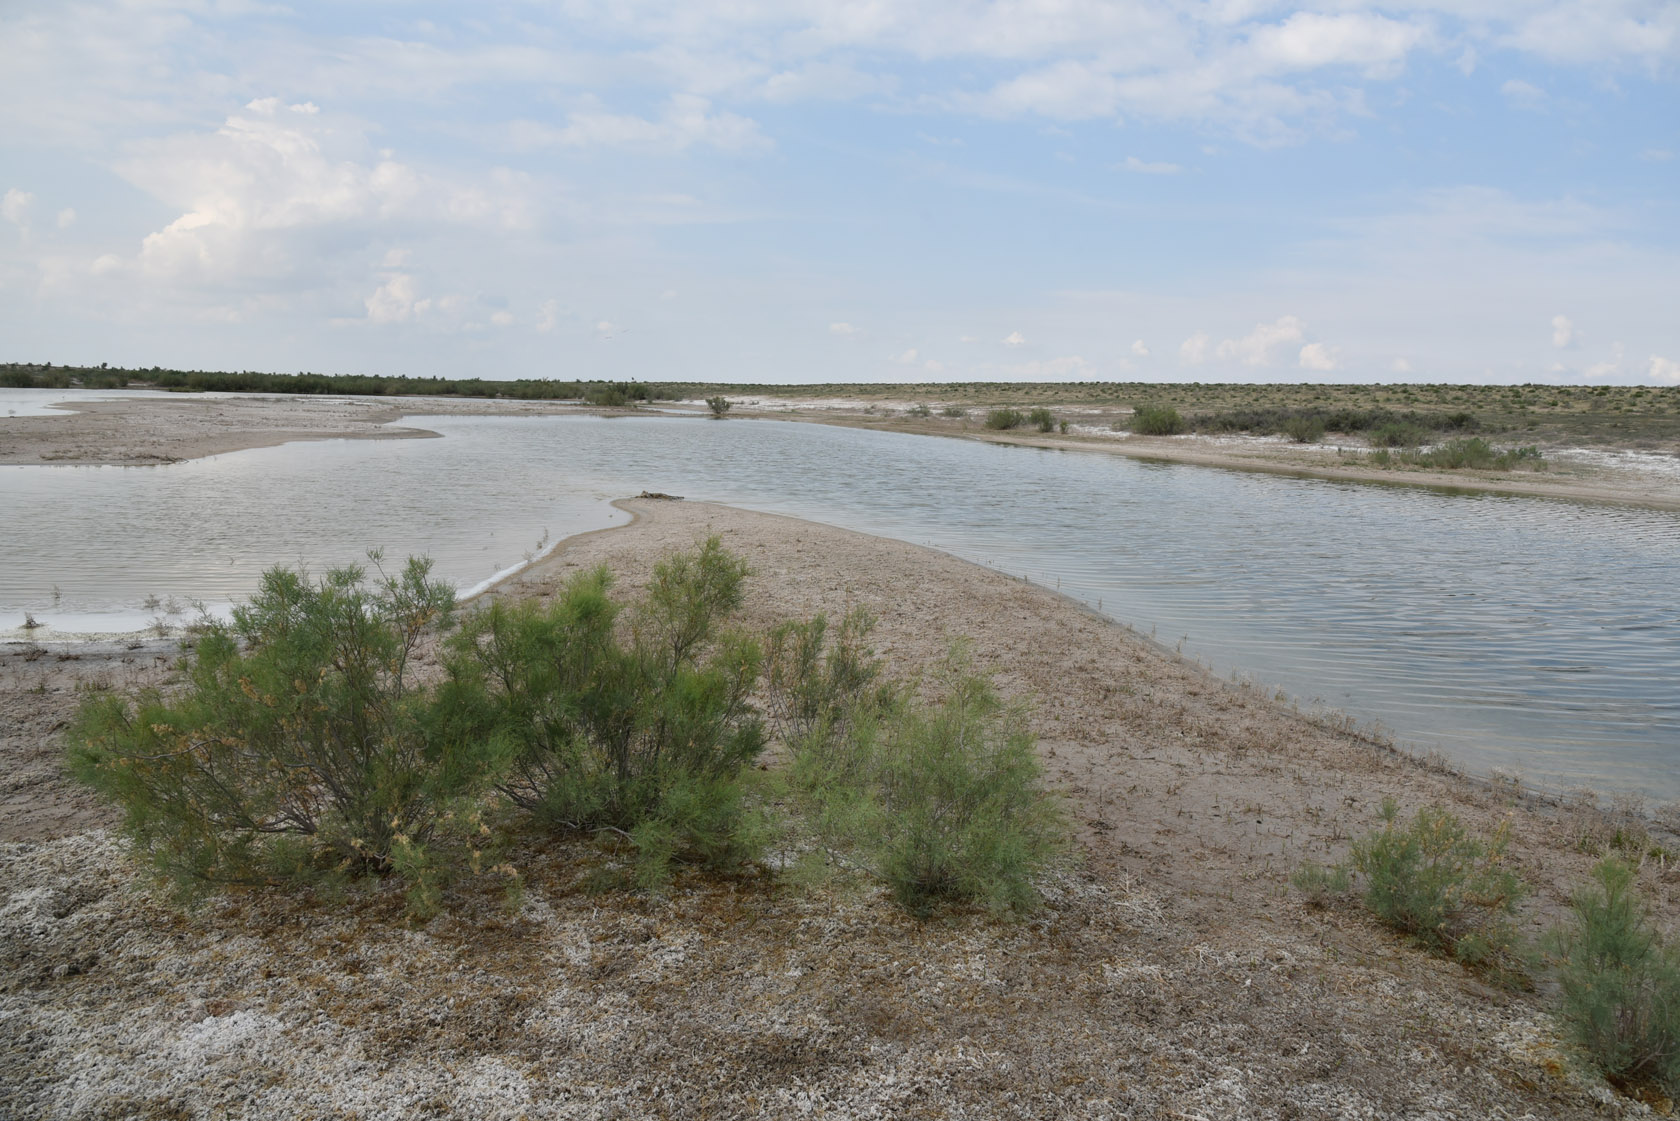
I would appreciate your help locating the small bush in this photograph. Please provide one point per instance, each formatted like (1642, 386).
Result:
(1320, 884)
(648, 737)
(918, 410)
(1441, 886)
(1148, 420)
(1620, 983)
(942, 802)
(1304, 429)
(1042, 419)
(300, 745)
(1397, 434)
(718, 406)
(1005, 418)
(954, 411)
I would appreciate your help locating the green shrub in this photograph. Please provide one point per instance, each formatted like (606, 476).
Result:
(1620, 983)
(718, 406)
(918, 410)
(1397, 434)
(1446, 889)
(1042, 419)
(299, 746)
(1149, 420)
(956, 411)
(649, 737)
(1005, 418)
(1304, 429)
(1319, 884)
(943, 802)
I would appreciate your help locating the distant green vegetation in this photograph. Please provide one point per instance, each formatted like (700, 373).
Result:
(1005, 418)
(603, 393)
(1156, 420)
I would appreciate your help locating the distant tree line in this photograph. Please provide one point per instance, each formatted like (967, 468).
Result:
(21, 375)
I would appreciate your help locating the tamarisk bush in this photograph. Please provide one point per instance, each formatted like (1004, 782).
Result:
(644, 729)
(299, 745)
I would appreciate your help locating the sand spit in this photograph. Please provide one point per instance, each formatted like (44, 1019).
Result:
(1174, 976)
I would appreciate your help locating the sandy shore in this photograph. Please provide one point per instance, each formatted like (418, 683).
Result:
(1175, 976)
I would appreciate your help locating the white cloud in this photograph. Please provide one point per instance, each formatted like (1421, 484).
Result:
(1563, 332)
(1612, 367)
(502, 318)
(1317, 356)
(1400, 366)
(246, 189)
(1193, 351)
(1255, 348)
(14, 206)
(1307, 40)
(1145, 168)
(933, 366)
(842, 329)
(395, 301)
(1014, 338)
(66, 218)
(688, 120)
(1139, 349)
(1665, 370)
(1522, 95)
(548, 315)
(1656, 155)
(908, 358)
(1068, 367)
(606, 327)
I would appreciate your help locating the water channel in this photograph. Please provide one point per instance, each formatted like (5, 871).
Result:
(1533, 635)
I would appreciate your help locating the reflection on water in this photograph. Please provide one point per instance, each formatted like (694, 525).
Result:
(1540, 636)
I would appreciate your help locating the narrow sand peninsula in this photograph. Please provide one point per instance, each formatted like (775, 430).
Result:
(1175, 976)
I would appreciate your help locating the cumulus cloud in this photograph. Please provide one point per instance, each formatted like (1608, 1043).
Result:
(842, 329)
(66, 218)
(1563, 332)
(1139, 349)
(502, 318)
(1014, 338)
(908, 358)
(14, 206)
(1256, 347)
(548, 316)
(933, 366)
(1400, 366)
(249, 189)
(396, 301)
(1317, 356)
(1193, 351)
(1143, 167)
(1665, 370)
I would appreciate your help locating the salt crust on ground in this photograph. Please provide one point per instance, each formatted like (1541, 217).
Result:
(1174, 976)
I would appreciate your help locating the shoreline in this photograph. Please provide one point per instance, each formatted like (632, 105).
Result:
(148, 432)
(1193, 798)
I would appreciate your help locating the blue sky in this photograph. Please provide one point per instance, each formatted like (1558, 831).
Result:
(747, 190)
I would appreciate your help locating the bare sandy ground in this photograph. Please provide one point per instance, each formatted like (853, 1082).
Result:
(1175, 975)
(137, 431)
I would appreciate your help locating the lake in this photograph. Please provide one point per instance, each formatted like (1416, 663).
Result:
(1534, 635)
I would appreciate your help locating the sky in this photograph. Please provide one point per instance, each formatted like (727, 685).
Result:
(886, 190)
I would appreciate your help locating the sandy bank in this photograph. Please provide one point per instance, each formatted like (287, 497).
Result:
(1176, 976)
(129, 431)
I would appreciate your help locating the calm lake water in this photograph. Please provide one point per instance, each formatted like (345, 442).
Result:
(1533, 635)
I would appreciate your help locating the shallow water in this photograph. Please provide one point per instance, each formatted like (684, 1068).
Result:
(1534, 635)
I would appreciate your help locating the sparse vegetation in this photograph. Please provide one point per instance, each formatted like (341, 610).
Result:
(918, 410)
(956, 412)
(1620, 984)
(1042, 419)
(1436, 883)
(300, 746)
(1155, 420)
(1005, 418)
(718, 405)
